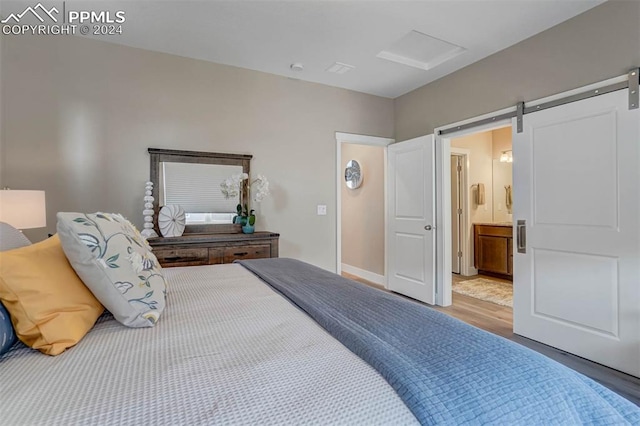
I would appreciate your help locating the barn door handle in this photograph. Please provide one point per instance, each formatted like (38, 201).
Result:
(521, 236)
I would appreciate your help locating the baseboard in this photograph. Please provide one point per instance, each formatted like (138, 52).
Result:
(470, 271)
(367, 275)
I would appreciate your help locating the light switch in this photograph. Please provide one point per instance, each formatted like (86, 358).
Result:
(322, 210)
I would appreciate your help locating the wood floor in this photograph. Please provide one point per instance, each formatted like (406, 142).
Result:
(485, 315)
(499, 320)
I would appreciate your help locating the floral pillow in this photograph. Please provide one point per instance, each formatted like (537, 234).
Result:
(116, 264)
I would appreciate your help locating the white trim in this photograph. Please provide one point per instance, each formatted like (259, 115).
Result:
(361, 140)
(367, 275)
(385, 282)
(466, 268)
(443, 222)
(443, 180)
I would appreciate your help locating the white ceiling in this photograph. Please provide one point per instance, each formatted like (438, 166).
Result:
(270, 35)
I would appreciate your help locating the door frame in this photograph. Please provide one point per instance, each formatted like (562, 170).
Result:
(466, 263)
(357, 139)
(443, 178)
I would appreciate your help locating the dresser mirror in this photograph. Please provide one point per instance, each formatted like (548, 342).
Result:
(191, 179)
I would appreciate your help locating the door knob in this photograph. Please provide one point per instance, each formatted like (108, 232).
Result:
(428, 228)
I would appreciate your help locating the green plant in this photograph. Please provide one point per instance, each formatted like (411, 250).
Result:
(232, 187)
(247, 215)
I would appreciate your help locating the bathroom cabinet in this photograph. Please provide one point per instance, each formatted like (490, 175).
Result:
(493, 249)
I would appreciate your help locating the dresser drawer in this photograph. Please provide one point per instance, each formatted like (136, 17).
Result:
(182, 256)
(246, 252)
(216, 255)
(212, 249)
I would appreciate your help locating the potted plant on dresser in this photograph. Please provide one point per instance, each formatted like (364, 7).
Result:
(257, 190)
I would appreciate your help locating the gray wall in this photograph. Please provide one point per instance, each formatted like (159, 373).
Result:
(78, 116)
(601, 43)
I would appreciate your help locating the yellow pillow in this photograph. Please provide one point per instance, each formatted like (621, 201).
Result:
(50, 307)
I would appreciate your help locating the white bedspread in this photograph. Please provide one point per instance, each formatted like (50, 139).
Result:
(227, 350)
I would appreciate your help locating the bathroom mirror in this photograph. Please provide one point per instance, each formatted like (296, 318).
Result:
(502, 191)
(191, 179)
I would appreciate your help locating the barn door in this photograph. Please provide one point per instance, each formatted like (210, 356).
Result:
(577, 229)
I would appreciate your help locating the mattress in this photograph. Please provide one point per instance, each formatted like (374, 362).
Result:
(227, 350)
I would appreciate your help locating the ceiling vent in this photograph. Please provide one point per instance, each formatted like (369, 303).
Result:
(340, 68)
(421, 51)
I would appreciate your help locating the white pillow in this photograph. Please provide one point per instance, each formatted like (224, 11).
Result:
(116, 264)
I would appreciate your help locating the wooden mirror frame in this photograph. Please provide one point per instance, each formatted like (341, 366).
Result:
(159, 155)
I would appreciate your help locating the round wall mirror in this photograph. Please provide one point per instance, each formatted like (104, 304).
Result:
(353, 174)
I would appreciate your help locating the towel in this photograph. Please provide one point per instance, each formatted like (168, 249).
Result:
(509, 199)
(480, 194)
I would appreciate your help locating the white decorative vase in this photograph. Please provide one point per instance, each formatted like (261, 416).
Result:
(171, 221)
(148, 231)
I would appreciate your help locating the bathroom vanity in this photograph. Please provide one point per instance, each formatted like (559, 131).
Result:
(493, 249)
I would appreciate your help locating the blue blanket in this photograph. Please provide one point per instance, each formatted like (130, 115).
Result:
(446, 372)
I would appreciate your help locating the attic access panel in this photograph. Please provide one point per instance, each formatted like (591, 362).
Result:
(421, 51)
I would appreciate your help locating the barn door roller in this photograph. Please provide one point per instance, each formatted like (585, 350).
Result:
(634, 96)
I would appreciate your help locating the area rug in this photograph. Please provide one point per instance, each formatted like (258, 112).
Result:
(486, 289)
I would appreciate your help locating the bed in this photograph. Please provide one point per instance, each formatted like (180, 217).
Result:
(228, 350)
(278, 341)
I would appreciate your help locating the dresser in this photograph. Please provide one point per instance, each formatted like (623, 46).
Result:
(493, 249)
(212, 249)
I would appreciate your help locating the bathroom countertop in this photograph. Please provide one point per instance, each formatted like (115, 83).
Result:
(505, 224)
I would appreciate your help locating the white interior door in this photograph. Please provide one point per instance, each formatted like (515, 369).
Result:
(411, 232)
(577, 186)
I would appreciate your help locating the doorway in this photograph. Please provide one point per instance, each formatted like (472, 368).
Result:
(479, 198)
(361, 206)
(481, 229)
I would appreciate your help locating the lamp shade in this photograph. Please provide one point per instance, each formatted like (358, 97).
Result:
(23, 209)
